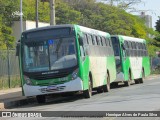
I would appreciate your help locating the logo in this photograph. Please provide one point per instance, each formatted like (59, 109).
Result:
(6, 114)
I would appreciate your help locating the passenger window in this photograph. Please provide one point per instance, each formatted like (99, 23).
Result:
(85, 40)
(101, 41)
(89, 39)
(98, 42)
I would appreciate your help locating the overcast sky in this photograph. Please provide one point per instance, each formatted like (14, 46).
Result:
(154, 9)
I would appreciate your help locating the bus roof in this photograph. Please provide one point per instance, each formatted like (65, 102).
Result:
(92, 31)
(49, 27)
(82, 28)
(127, 38)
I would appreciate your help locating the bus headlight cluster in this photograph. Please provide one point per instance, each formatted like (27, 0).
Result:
(75, 74)
(27, 80)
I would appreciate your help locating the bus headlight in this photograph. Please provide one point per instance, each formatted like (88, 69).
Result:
(27, 80)
(75, 74)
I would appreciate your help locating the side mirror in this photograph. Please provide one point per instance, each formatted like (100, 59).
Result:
(80, 40)
(18, 48)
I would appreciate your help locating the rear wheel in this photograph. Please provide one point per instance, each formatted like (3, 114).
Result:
(41, 99)
(88, 93)
(114, 84)
(106, 88)
(136, 81)
(128, 82)
(99, 90)
(141, 80)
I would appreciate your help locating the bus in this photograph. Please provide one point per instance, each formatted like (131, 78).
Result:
(132, 60)
(65, 58)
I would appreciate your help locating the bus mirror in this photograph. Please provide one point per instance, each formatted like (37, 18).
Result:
(17, 48)
(80, 40)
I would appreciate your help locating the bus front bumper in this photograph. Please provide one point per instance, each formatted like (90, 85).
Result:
(71, 86)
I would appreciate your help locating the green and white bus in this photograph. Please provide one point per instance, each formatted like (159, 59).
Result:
(65, 58)
(132, 60)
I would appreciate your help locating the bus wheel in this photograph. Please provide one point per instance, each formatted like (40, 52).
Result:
(114, 84)
(88, 93)
(106, 88)
(99, 90)
(141, 80)
(127, 83)
(136, 81)
(41, 99)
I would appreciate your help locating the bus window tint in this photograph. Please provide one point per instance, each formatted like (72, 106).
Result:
(85, 40)
(116, 48)
(93, 40)
(101, 41)
(89, 39)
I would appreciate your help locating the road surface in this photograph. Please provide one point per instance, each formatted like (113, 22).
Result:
(137, 97)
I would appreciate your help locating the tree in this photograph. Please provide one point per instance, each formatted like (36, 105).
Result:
(123, 4)
(158, 25)
(7, 8)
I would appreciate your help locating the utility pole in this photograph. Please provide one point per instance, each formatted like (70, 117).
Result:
(36, 13)
(21, 17)
(8, 62)
(52, 12)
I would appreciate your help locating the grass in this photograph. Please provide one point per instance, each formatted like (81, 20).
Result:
(157, 71)
(14, 82)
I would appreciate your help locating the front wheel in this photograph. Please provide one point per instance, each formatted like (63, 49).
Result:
(106, 88)
(41, 99)
(88, 93)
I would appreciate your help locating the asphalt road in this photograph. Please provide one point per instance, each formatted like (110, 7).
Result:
(137, 97)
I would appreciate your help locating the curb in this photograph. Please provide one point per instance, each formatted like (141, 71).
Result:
(17, 103)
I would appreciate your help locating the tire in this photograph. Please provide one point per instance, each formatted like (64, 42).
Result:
(88, 93)
(141, 80)
(114, 84)
(128, 82)
(99, 90)
(41, 99)
(136, 81)
(106, 88)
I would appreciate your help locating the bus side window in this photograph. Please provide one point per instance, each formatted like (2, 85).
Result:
(82, 52)
(97, 41)
(126, 46)
(135, 51)
(130, 48)
(143, 49)
(85, 39)
(89, 39)
(139, 53)
(93, 40)
(101, 41)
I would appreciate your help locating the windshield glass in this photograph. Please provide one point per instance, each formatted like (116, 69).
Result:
(49, 55)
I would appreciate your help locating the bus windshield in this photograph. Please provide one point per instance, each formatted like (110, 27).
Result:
(52, 54)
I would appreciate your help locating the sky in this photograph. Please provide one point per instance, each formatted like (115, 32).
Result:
(153, 7)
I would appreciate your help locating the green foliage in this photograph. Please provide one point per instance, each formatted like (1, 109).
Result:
(156, 42)
(111, 19)
(158, 25)
(65, 14)
(7, 8)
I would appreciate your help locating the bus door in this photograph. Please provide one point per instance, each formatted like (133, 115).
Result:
(116, 48)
